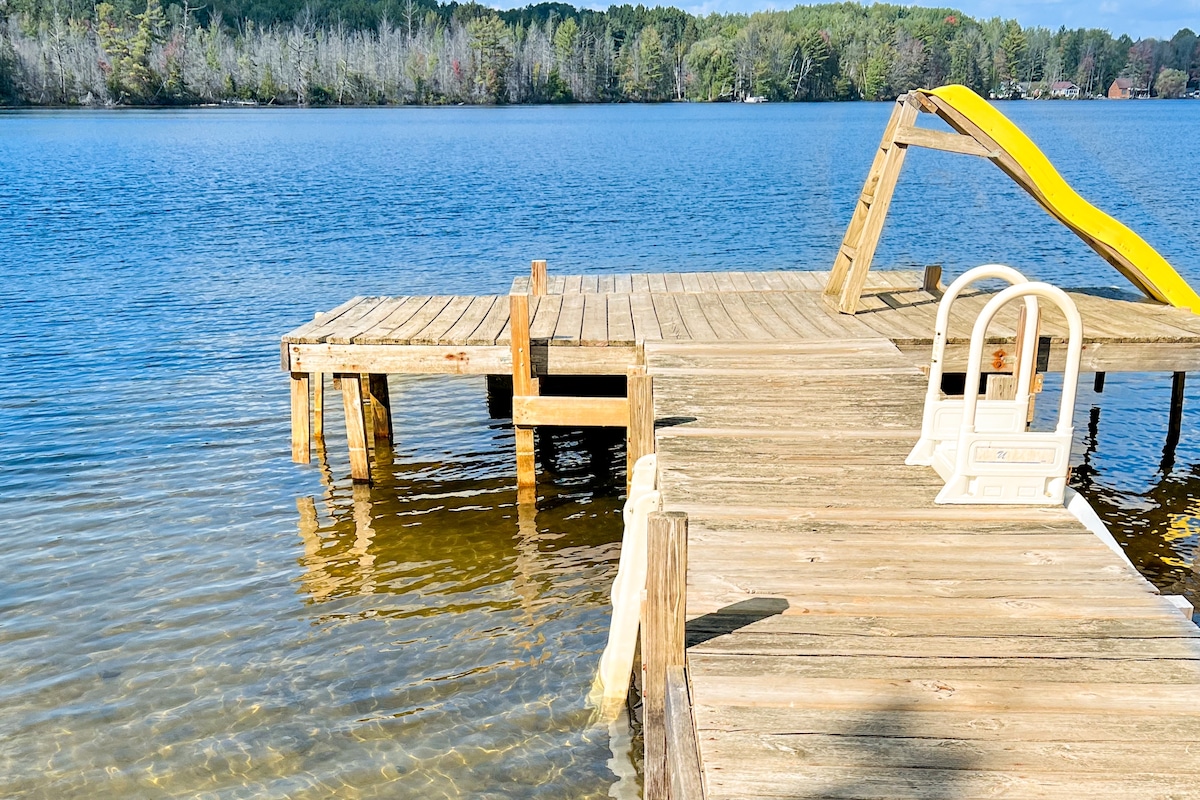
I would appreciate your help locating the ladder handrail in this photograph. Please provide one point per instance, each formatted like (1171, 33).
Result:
(1066, 406)
(937, 359)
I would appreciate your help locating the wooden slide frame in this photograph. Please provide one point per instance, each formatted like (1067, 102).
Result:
(983, 131)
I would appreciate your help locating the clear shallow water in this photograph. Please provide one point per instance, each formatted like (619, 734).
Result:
(183, 612)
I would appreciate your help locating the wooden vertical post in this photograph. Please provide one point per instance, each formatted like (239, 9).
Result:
(639, 434)
(1175, 420)
(318, 393)
(662, 637)
(301, 437)
(854, 257)
(1098, 382)
(537, 278)
(931, 281)
(356, 428)
(364, 392)
(523, 385)
(381, 407)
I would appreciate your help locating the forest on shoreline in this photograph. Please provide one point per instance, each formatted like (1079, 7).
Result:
(389, 52)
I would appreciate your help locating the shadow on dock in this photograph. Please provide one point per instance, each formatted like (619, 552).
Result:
(731, 618)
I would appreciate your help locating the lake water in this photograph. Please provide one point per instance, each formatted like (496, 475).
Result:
(186, 613)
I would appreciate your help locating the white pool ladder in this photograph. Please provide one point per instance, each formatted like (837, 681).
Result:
(1012, 467)
(943, 415)
(628, 592)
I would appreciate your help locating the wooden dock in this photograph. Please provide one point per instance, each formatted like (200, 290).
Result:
(846, 637)
(592, 325)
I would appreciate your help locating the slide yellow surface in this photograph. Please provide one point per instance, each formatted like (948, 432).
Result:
(1117, 244)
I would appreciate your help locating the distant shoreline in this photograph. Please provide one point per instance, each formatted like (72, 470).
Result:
(366, 53)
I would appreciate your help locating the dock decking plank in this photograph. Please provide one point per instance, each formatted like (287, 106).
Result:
(594, 332)
(417, 322)
(570, 320)
(544, 318)
(444, 321)
(697, 325)
(472, 317)
(346, 329)
(488, 330)
(670, 321)
(620, 320)
(645, 318)
(305, 333)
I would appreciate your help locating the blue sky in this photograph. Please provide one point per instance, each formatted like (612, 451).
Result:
(1139, 18)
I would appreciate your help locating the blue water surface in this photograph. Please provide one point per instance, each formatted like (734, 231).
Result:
(185, 613)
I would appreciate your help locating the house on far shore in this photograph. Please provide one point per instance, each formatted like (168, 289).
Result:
(1123, 89)
(1064, 89)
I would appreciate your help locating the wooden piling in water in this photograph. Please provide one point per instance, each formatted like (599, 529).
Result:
(1175, 419)
(318, 403)
(381, 407)
(301, 436)
(523, 384)
(356, 428)
(662, 638)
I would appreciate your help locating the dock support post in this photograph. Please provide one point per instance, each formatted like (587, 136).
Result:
(931, 281)
(381, 407)
(356, 428)
(537, 278)
(301, 438)
(1175, 420)
(662, 637)
(639, 435)
(318, 395)
(1098, 382)
(523, 385)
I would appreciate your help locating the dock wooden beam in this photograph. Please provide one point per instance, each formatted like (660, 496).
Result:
(941, 140)
(663, 625)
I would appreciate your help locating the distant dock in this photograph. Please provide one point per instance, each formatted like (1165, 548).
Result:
(845, 636)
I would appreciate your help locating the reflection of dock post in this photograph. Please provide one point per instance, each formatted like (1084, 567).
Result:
(301, 438)
(356, 428)
(364, 534)
(662, 637)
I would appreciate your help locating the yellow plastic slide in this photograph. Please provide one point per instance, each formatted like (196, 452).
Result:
(1021, 159)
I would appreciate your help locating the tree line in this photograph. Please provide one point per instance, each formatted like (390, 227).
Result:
(370, 52)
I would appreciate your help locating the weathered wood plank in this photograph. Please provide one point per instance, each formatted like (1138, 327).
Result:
(694, 321)
(594, 332)
(570, 319)
(620, 320)
(304, 334)
(476, 312)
